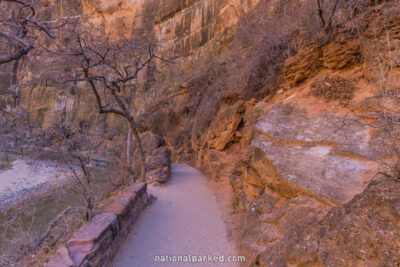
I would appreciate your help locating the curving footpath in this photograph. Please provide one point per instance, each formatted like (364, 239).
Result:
(183, 221)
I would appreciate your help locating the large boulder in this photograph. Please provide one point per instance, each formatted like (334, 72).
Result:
(150, 142)
(327, 154)
(158, 158)
(158, 165)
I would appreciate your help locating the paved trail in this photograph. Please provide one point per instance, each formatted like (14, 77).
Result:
(185, 219)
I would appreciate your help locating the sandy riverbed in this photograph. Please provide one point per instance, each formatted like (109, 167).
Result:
(27, 178)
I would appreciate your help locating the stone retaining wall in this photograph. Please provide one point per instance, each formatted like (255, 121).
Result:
(97, 241)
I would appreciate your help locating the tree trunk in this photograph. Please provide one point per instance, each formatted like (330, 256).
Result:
(127, 114)
(15, 73)
(128, 149)
(52, 224)
(6, 154)
(141, 152)
(89, 207)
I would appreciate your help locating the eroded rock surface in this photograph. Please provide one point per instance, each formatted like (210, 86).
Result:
(363, 232)
(302, 162)
(222, 131)
(326, 154)
(159, 165)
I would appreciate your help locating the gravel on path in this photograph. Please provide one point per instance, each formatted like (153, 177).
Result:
(184, 220)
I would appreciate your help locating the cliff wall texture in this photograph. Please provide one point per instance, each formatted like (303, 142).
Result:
(184, 29)
(286, 121)
(304, 158)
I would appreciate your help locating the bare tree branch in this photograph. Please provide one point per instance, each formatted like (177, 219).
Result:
(52, 224)
(21, 30)
(111, 70)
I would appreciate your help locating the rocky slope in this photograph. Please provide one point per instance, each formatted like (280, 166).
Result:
(300, 160)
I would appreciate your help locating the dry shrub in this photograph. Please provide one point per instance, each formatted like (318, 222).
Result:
(17, 238)
(333, 89)
(274, 31)
(19, 247)
(21, 232)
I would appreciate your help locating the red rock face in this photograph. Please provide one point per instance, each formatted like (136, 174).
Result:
(314, 155)
(186, 26)
(363, 232)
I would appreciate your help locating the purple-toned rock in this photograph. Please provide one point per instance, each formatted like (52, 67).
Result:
(97, 241)
(158, 158)
(93, 236)
(158, 165)
(61, 259)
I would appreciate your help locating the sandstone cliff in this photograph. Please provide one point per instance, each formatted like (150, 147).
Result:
(296, 154)
(279, 120)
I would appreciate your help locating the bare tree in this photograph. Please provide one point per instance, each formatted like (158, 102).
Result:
(84, 188)
(14, 128)
(20, 29)
(111, 70)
